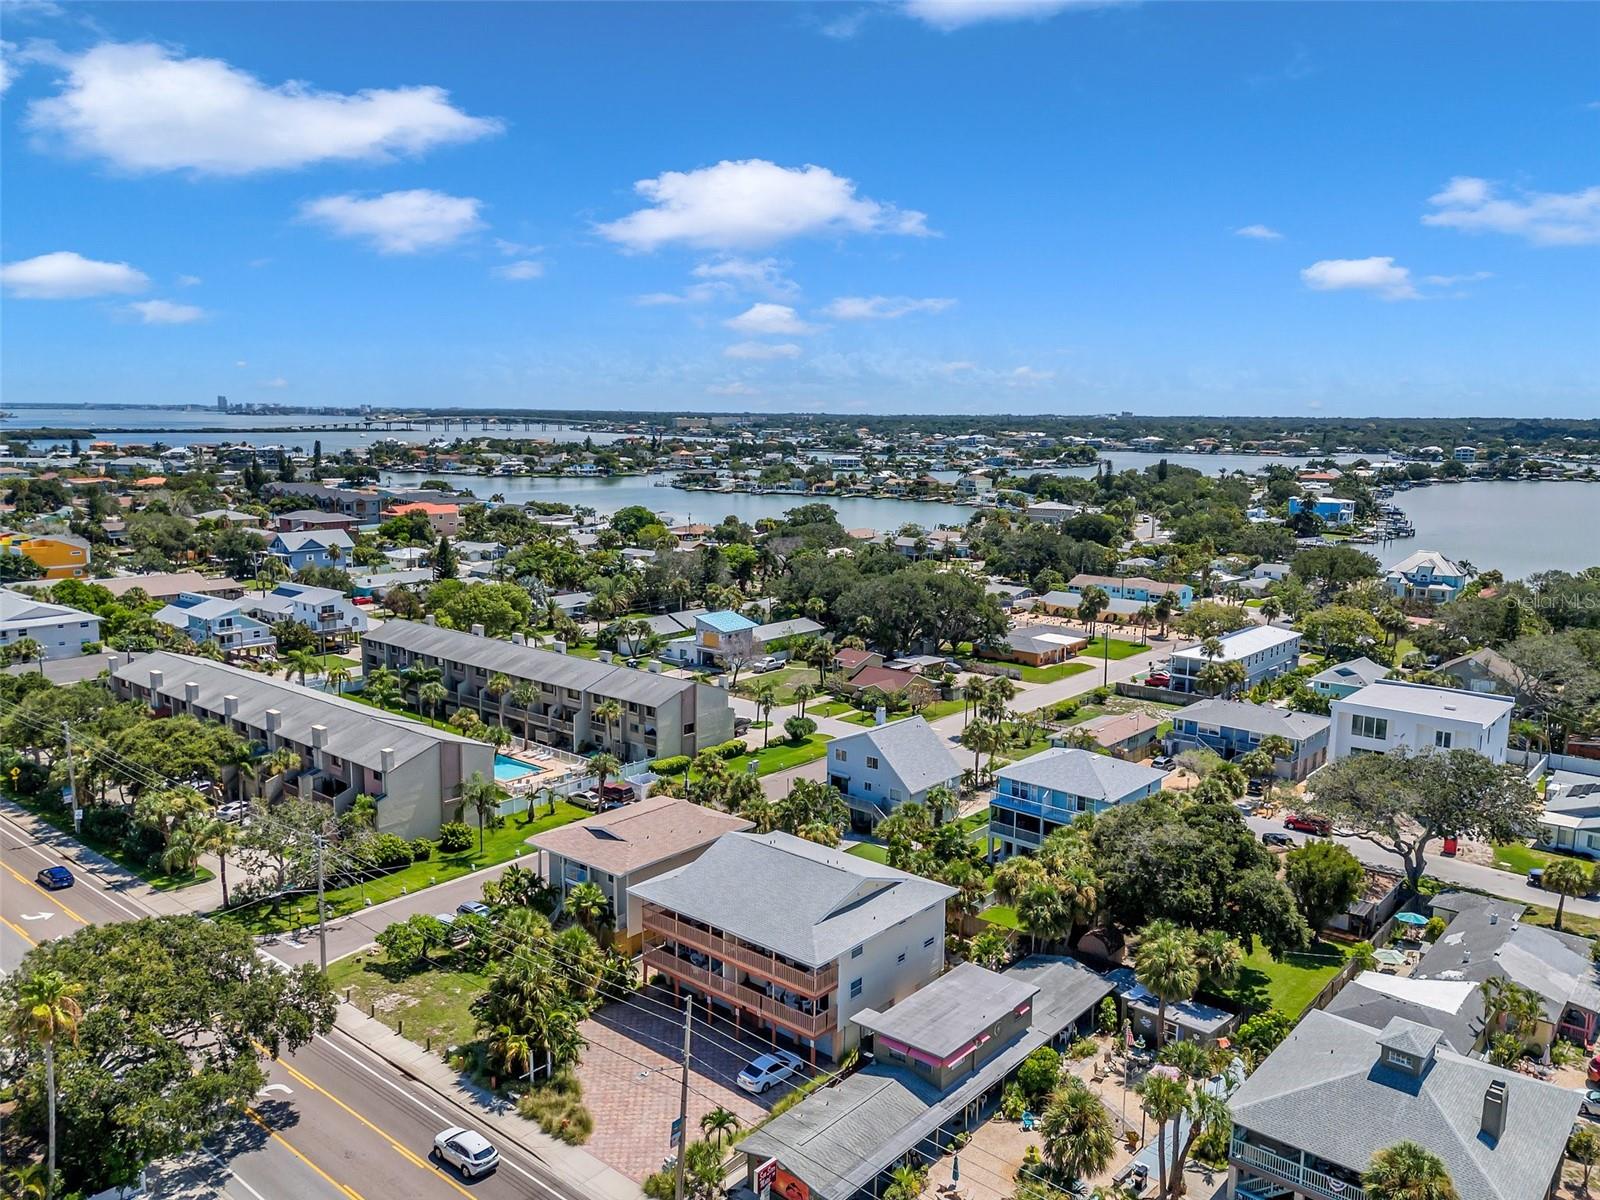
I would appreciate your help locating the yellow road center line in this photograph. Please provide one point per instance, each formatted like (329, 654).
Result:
(50, 896)
(287, 1144)
(19, 931)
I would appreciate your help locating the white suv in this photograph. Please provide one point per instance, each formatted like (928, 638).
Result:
(466, 1151)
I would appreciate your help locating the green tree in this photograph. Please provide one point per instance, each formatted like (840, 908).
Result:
(766, 700)
(483, 797)
(1583, 1147)
(46, 1009)
(588, 904)
(1163, 1096)
(1566, 877)
(604, 767)
(1167, 966)
(1325, 879)
(719, 1125)
(1406, 1171)
(1076, 1132)
(445, 560)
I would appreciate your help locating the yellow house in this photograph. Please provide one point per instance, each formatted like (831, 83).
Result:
(58, 556)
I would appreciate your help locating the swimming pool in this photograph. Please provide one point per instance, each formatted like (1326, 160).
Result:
(507, 768)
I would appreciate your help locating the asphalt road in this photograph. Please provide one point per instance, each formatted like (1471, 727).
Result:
(333, 1123)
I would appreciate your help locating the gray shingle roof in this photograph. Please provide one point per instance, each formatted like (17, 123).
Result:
(1083, 773)
(1406, 1036)
(1325, 1091)
(1256, 718)
(794, 897)
(909, 747)
(528, 662)
(941, 1017)
(1357, 672)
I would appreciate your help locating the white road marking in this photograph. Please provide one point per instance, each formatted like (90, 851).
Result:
(228, 1170)
(27, 843)
(276, 1087)
(39, 916)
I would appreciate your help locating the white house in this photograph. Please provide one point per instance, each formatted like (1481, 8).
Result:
(1389, 714)
(881, 768)
(319, 609)
(1265, 652)
(60, 631)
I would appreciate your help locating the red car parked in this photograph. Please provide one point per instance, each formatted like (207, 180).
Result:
(1320, 826)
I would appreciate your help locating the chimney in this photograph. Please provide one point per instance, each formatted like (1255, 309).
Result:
(1494, 1110)
(430, 619)
(559, 646)
(477, 630)
(273, 716)
(386, 762)
(319, 736)
(230, 707)
(519, 639)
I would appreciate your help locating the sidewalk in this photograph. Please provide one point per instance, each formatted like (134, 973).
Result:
(571, 1164)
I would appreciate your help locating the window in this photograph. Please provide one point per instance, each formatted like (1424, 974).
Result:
(855, 988)
(1441, 739)
(856, 953)
(841, 756)
(901, 958)
(927, 942)
(1376, 728)
(688, 729)
(1404, 1061)
(872, 763)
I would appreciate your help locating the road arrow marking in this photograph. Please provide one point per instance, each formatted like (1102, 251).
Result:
(44, 916)
(276, 1087)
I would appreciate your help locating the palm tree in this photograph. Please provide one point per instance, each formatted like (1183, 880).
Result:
(499, 687)
(1167, 968)
(1163, 610)
(587, 904)
(431, 697)
(219, 838)
(906, 1182)
(609, 713)
(1271, 609)
(718, 1125)
(523, 695)
(1163, 1096)
(942, 803)
(604, 767)
(1092, 601)
(971, 699)
(301, 663)
(512, 1050)
(26, 649)
(483, 798)
(338, 677)
(1405, 1171)
(47, 1008)
(766, 701)
(1566, 877)
(1076, 1131)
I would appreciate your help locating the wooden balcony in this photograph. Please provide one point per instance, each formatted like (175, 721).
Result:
(1303, 1179)
(811, 1025)
(758, 962)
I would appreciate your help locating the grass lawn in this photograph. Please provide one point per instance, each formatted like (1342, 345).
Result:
(781, 754)
(1290, 983)
(870, 851)
(829, 708)
(784, 679)
(1571, 922)
(161, 880)
(1051, 674)
(499, 846)
(1256, 603)
(432, 1001)
(1520, 859)
(1113, 648)
(1002, 915)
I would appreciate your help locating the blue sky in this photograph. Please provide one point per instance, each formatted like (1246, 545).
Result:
(940, 205)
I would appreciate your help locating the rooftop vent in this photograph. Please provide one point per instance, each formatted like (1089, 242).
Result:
(1494, 1110)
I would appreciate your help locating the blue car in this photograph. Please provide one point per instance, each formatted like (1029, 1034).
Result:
(54, 878)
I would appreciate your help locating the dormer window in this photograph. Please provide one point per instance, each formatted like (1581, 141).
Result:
(1402, 1062)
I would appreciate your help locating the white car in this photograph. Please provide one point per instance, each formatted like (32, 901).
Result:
(466, 1151)
(234, 810)
(761, 1073)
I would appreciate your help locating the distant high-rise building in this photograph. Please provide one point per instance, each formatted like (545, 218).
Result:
(222, 404)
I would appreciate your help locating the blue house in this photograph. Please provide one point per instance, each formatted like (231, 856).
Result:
(883, 767)
(1232, 727)
(1136, 588)
(1331, 509)
(1427, 575)
(1035, 797)
(1265, 652)
(313, 548)
(214, 619)
(1346, 678)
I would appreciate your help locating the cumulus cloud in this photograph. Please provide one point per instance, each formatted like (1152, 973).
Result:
(165, 312)
(1028, 376)
(762, 351)
(1457, 280)
(1263, 232)
(749, 274)
(767, 319)
(1544, 218)
(882, 308)
(398, 222)
(67, 275)
(732, 389)
(1378, 274)
(523, 268)
(960, 367)
(750, 204)
(948, 15)
(278, 382)
(189, 281)
(8, 72)
(143, 107)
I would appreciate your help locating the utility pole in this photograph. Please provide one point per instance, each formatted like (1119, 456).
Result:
(322, 912)
(683, 1097)
(72, 780)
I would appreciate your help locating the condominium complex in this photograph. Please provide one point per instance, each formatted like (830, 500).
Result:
(660, 716)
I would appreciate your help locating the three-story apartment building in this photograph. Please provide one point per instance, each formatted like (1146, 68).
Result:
(1041, 794)
(793, 937)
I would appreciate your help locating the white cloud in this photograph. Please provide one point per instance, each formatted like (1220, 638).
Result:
(189, 281)
(732, 389)
(753, 203)
(1264, 232)
(66, 275)
(516, 249)
(1543, 218)
(766, 319)
(948, 15)
(165, 312)
(880, 308)
(398, 222)
(143, 107)
(523, 268)
(1456, 280)
(753, 275)
(845, 27)
(1378, 274)
(241, 363)
(658, 299)
(762, 351)
(956, 368)
(8, 72)
(279, 382)
(1028, 376)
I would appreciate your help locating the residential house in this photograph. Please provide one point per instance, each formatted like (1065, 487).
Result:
(1332, 510)
(883, 767)
(1235, 727)
(1344, 679)
(776, 634)
(1571, 817)
(792, 937)
(58, 555)
(1390, 714)
(60, 632)
(1483, 670)
(661, 716)
(361, 503)
(1053, 512)
(324, 611)
(169, 585)
(443, 519)
(724, 640)
(1134, 587)
(1040, 645)
(629, 845)
(884, 679)
(1336, 1092)
(230, 518)
(313, 518)
(940, 1061)
(1035, 797)
(346, 749)
(1265, 652)
(572, 604)
(212, 619)
(1125, 735)
(1186, 1021)
(313, 548)
(848, 661)
(1427, 575)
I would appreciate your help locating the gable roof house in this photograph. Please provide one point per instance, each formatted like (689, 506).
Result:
(883, 767)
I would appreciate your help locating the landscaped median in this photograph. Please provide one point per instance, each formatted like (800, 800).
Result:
(499, 846)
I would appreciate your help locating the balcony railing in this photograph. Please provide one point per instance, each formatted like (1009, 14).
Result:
(1302, 1178)
(811, 1025)
(812, 983)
